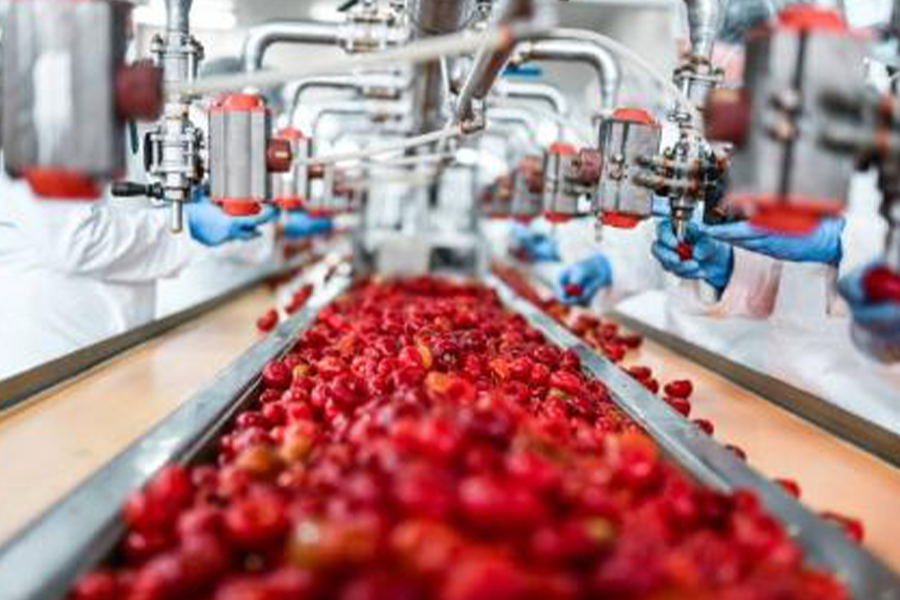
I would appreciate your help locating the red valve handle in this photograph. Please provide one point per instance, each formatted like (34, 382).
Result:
(882, 284)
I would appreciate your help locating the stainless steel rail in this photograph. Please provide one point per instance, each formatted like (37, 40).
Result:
(43, 559)
(712, 464)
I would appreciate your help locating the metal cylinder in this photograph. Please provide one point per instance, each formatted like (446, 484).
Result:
(561, 199)
(626, 135)
(64, 135)
(290, 189)
(238, 153)
(783, 176)
(527, 189)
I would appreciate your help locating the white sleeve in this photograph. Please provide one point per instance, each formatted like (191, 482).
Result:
(98, 239)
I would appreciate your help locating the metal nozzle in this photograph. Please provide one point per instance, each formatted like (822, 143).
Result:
(177, 216)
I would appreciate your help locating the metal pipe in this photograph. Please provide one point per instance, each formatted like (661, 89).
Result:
(704, 21)
(178, 16)
(488, 64)
(354, 109)
(533, 90)
(261, 37)
(294, 90)
(433, 17)
(557, 46)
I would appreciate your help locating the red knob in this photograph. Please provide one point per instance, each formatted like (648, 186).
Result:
(882, 284)
(728, 116)
(279, 156)
(139, 92)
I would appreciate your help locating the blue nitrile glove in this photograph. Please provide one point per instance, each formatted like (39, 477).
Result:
(212, 227)
(590, 275)
(300, 225)
(823, 245)
(710, 260)
(537, 247)
(877, 324)
(879, 317)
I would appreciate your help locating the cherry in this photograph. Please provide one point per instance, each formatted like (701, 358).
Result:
(573, 290)
(853, 528)
(705, 426)
(276, 375)
(790, 486)
(737, 451)
(98, 585)
(681, 405)
(682, 388)
(256, 522)
(685, 251)
(268, 321)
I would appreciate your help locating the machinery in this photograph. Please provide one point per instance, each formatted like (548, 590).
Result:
(781, 175)
(406, 163)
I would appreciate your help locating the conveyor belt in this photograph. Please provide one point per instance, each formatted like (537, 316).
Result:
(717, 466)
(60, 541)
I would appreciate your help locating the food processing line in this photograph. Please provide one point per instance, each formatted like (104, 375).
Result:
(429, 85)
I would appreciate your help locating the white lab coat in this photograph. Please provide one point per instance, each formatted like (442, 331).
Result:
(74, 273)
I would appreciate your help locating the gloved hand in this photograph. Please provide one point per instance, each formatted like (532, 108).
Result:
(579, 283)
(881, 318)
(212, 227)
(300, 225)
(709, 260)
(823, 245)
(537, 247)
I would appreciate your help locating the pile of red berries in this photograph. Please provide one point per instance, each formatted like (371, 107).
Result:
(421, 442)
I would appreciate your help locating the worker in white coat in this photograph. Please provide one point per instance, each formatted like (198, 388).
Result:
(75, 273)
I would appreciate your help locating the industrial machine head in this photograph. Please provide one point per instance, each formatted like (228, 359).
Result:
(626, 135)
(67, 94)
(782, 175)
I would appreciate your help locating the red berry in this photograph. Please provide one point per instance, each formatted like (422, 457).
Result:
(705, 425)
(256, 522)
(277, 376)
(790, 486)
(737, 451)
(573, 290)
(681, 405)
(268, 321)
(852, 527)
(685, 251)
(682, 388)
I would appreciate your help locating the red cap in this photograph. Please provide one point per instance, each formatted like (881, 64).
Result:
(290, 133)
(808, 17)
(294, 203)
(562, 148)
(635, 115)
(59, 184)
(239, 103)
(239, 207)
(620, 220)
